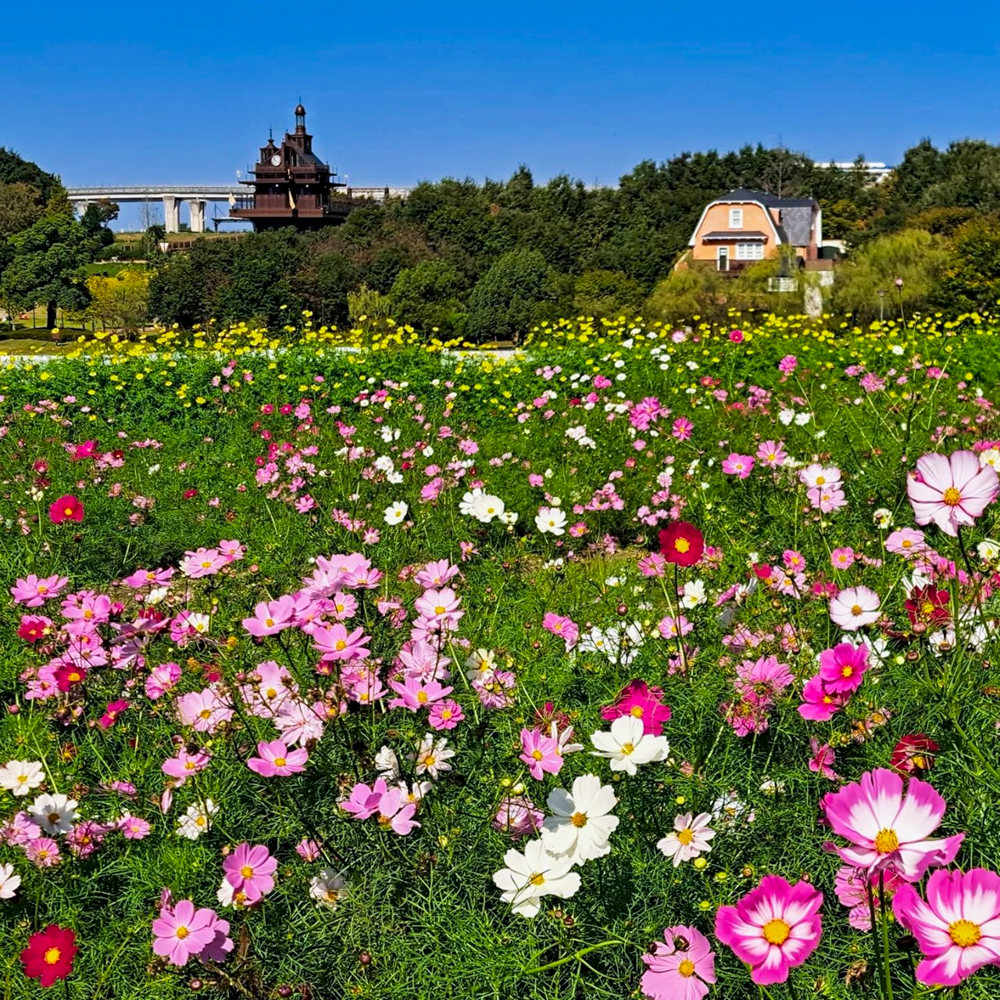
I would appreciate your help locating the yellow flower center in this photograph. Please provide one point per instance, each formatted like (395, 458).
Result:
(627, 748)
(776, 931)
(537, 754)
(579, 820)
(446, 714)
(537, 879)
(246, 871)
(886, 841)
(636, 711)
(439, 610)
(340, 644)
(205, 714)
(965, 933)
(686, 968)
(856, 609)
(820, 480)
(952, 497)
(52, 956)
(682, 545)
(279, 761)
(268, 622)
(685, 836)
(182, 932)
(421, 697)
(847, 671)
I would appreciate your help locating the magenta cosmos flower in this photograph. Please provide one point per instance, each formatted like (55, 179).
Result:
(854, 608)
(249, 870)
(842, 668)
(540, 753)
(951, 492)
(773, 928)
(183, 931)
(886, 828)
(958, 928)
(680, 968)
(276, 759)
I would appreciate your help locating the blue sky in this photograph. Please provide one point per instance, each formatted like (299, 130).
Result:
(396, 93)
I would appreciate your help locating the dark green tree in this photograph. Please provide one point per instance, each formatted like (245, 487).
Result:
(511, 297)
(430, 297)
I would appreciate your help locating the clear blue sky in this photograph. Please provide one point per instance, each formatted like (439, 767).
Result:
(396, 93)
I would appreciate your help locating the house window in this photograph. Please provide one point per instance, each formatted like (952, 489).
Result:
(736, 218)
(749, 251)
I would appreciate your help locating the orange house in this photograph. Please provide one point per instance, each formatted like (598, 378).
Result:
(744, 226)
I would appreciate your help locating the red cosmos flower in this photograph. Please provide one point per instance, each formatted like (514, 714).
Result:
(68, 675)
(66, 508)
(682, 543)
(49, 955)
(34, 628)
(928, 605)
(913, 754)
(190, 493)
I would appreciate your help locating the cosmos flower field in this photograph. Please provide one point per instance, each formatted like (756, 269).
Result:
(641, 663)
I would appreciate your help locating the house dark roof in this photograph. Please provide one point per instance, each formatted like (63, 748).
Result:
(735, 234)
(770, 200)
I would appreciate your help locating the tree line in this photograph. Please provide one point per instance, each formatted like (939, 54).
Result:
(487, 260)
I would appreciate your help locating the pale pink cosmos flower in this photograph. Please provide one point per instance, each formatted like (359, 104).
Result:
(855, 888)
(906, 542)
(773, 928)
(518, 817)
(957, 928)
(203, 710)
(363, 801)
(682, 967)
(772, 454)
(842, 558)
(396, 811)
(133, 827)
(952, 492)
(276, 759)
(689, 838)
(249, 870)
(821, 476)
(855, 607)
(886, 828)
(185, 765)
(270, 617)
(415, 694)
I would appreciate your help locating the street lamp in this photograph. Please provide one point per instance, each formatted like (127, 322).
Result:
(881, 304)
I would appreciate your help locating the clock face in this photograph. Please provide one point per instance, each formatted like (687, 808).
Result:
(276, 160)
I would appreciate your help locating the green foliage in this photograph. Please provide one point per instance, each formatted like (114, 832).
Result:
(20, 207)
(15, 169)
(431, 296)
(607, 293)
(120, 302)
(510, 298)
(972, 279)
(692, 292)
(914, 257)
(367, 303)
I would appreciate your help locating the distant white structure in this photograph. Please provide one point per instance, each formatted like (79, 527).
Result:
(875, 169)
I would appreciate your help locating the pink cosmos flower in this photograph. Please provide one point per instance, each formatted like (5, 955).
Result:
(682, 968)
(308, 850)
(854, 608)
(816, 475)
(133, 827)
(957, 928)
(33, 591)
(270, 617)
(772, 453)
(842, 558)
(826, 498)
(415, 695)
(682, 429)
(675, 628)
(204, 710)
(182, 932)
(111, 713)
(540, 753)
(336, 643)
(853, 886)
(185, 765)
(822, 760)
(445, 714)
(563, 627)
(765, 679)
(773, 928)
(202, 562)
(518, 817)
(885, 828)
(249, 870)
(952, 491)
(906, 542)
(737, 465)
(396, 811)
(820, 705)
(43, 851)
(640, 701)
(363, 801)
(276, 759)
(842, 668)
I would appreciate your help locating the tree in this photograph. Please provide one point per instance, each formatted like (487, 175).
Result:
(177, 292)
(972, 278)
(607, 293)
(20, 208)
(697, 291)
(46, 265)
(368, 304)
(906, 267)
(429, 297)
(96, 218)
(15, 169)
(509, 299)
(121, 301)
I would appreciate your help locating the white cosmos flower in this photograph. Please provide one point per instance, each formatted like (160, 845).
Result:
(551, 521)
(8, 881)
(432, 756)
(482, 506)
(197, 820)
(988, 550)
(397, 512)
(21, 776)
(328, 888)
(580, 825)
(387, 764)
(689, 838)
(534, 874)
(693, 594)
(55, 814)
(627, 745)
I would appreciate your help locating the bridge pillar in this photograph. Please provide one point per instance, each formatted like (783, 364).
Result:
(171, 213)
(197, 215)
(81, 207)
